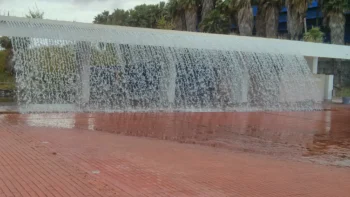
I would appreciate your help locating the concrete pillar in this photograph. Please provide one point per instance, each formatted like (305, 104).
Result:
(312, 63)
(245, 87)
(172, 85)
(85, 78)
(328, 91)
(83, 59)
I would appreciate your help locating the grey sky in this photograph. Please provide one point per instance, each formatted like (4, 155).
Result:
(68, 10)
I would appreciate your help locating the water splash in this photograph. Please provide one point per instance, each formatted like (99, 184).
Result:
(112, 76)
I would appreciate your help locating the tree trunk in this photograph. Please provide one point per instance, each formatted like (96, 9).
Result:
(245, 21)
(337, 27)
(271, 18)
(83, 60)
(207, 7)
(178, 23)
(260, 20)
(183, 19)
(295, 20)
(191, 19)
(10, 65)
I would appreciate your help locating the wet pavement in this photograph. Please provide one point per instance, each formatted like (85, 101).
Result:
(181, 154)
(320, 136)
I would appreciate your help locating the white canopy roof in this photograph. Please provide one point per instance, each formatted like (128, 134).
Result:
(59, 30)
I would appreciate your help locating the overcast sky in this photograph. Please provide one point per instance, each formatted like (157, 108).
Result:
(68, 10)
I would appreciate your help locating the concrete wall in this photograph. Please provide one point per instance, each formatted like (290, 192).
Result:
(326, 66)
(325, 86)
(324, 82)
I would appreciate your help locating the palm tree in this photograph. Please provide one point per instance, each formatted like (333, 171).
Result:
(314, 35)
(296, 12)
(207, 7)
(334, 18)
(272, 10)
(260, 23)
(245, 17)
(333, 11)
(227, 7)
(216, 22)
(191, 16)
(178, 14)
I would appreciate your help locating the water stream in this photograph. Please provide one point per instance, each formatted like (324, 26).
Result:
(113, 76)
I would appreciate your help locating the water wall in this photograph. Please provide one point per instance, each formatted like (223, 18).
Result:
(96, 68)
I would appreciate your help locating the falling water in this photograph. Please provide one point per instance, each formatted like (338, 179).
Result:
(104, 69)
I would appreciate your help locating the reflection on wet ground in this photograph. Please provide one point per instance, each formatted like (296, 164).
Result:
(320, 136)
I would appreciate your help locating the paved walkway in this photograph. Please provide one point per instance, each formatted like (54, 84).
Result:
(46, 155)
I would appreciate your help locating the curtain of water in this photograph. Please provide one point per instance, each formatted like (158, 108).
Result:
(98, 76)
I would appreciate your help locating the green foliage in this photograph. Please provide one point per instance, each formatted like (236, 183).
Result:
(143, 16)
(118, 17)
(35, 14)
(335, 6)
(140, 16)
(314, 35)
(3, 56)
(335, 9)
(7, 81)
(174, 7)
(162, 23)
(189, 4)
(216, 22)
(51, 59)
(344, 92)
(105, 56)
(5, 42)
(102, 18)
(226, 5)
(7, 99)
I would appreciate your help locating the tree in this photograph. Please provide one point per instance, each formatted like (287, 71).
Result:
(272, 10)
(296, 12)
(118, 17)
(144, 16)
(207, 7)
(227, 8)
(177, 14)
(35, 14)
(314, 35)
(334, 18)
(102, 18)
(162, 23)
(245, 17)
(7, 44)
(260, 23)
(191, 16)
(333, 11)
(216, 22)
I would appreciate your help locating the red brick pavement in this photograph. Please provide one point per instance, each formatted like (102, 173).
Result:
(48, 161)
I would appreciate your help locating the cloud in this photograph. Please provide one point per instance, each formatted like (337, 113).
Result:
(123, 4)
(68, 10)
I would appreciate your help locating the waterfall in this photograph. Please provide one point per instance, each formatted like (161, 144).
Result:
(113, 73)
